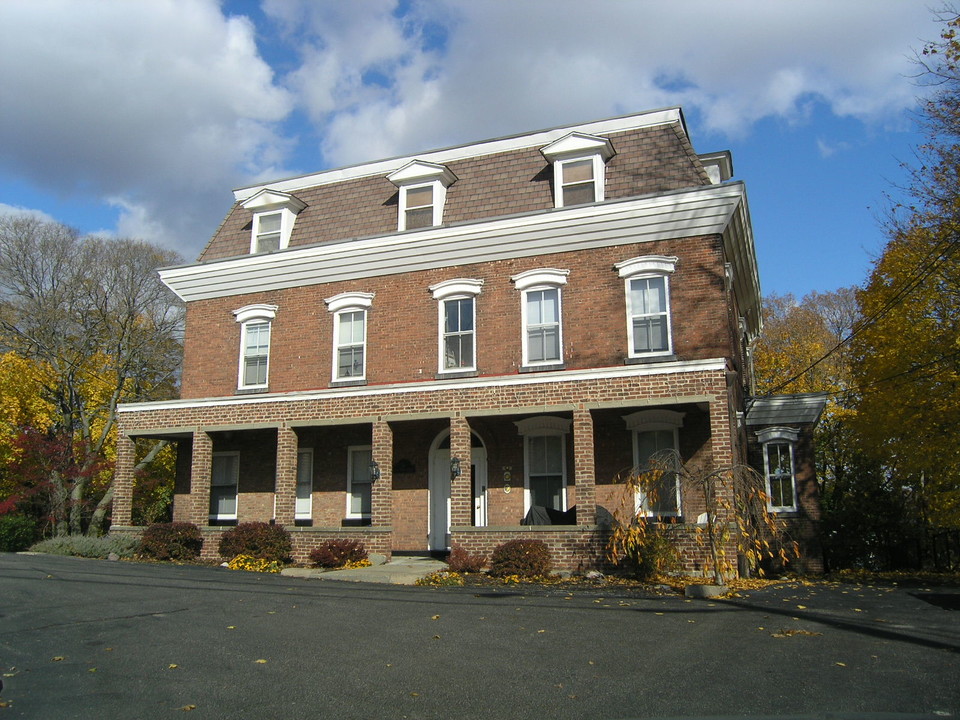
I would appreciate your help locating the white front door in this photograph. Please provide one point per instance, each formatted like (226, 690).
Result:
(439, 522)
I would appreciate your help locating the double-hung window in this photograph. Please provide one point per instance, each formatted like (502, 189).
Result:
(303, 510)
(274, 214)
(359, 495)
(256, 323)
(647, 280)
(778, 467)
(224, 480)
(655, 455)
(422, 193)
(579, 168)
(458, 324)
(544, 444)
(541, 316)
(350, 335)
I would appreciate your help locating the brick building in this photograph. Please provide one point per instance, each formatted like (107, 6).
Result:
(415, 351)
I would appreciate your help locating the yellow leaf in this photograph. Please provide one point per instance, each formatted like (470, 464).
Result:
(92, 670)
(57, 658)
(261, 661)
(172, 666)
(435, 617)
(414, 694)
(840, 664)
(801, 607)
(231, 627)
(187, 708)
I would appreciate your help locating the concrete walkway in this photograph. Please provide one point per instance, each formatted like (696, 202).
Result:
(398, 571)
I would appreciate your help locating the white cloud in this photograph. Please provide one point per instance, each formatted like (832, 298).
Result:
(161, 105)
(17, 210)
(507, 67)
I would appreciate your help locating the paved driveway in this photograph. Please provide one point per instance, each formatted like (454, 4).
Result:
(94, 639)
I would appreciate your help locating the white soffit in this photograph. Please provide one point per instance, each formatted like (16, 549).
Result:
(688, 213)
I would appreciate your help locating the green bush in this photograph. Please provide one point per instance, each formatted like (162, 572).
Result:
(654, 555)
(17, 532)
(257, 539)
(523, 558)
(337, 553)
(461, 561)
(124, 546)
(171, 541)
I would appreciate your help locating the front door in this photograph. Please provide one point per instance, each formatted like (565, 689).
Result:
(439, 521)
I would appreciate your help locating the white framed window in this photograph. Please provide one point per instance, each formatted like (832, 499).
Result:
(579, 168)
(779, 467)
(303, 511)
(423, 193)
(541, 315)
(224, 481)
(350, 335)
(647, 287)
(544, 461)
(274, 214)
(359, 493)
(457, 304)
(655, 435)
(256, 323)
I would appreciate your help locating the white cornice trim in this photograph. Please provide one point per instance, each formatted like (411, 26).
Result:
(666, 216)
(578, 144)
(419, 171)
(661, 264)
(489, 147)
(542, 378)
(457, 286)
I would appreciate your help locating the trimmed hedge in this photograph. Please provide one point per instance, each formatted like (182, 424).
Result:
(256, 539)
(523, 558)
(337, 553)
(171, 541)
(89, 547)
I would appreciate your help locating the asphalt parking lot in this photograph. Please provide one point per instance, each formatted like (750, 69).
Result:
(87, 638)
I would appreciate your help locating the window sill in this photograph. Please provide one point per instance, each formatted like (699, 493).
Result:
(253, 390)
(542, 368)
(456, 374)
(644, 359)
(355, 522)
(347, 383)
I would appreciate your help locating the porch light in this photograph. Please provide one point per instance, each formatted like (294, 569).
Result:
(374, 471)
(454, 467)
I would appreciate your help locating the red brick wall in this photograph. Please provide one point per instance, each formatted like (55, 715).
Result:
(402, 334)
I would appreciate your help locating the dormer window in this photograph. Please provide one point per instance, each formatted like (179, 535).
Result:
(274, 214)
(423, 191)
(579, 161)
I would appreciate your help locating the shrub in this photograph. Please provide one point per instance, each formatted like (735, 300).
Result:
(524, 558)
(17, 532)
(441, 578)
(253, 564)
(257, 539)
(124, 546)
(461, 561)
(338, 553)
(172, 541)
(647, 552)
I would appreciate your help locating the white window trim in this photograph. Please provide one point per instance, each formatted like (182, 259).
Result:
(249, 314)
(639, 268)
(343, 303)
(537, 427)
(350, 451)
(647, 421)
(268, 202)
(534, 280)
(307, 515)
(419, 174)
(577, 146)
(789, 437)
(236, 485)
(457, 289)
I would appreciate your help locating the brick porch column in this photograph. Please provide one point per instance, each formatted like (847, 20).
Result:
(201, 467)
(123, 481)
(721, 439)
(381, 491)
(461, 488)
(285, 487)
(584, 467)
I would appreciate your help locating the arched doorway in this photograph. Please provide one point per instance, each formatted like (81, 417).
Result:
(438, 521)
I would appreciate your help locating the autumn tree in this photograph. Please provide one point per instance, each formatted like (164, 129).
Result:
(94, 315)
(906, 354)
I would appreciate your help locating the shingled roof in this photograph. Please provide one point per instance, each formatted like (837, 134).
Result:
(798, 409)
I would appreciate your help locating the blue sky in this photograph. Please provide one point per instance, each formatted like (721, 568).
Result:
(138, 118)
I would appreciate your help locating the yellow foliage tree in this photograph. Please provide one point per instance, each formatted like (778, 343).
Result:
(22, 404)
